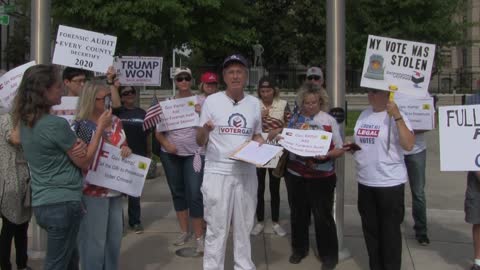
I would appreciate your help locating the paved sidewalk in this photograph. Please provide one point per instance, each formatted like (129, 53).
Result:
(450, 248)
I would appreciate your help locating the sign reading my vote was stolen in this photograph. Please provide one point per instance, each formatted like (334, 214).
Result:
(84, 49)
(138, 70)
(459, 138)
(397, 65)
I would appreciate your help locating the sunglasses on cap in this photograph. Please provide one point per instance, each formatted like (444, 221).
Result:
(314, 77)
(128, 92)
(183, 78)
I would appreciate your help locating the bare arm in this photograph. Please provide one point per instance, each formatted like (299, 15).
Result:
(203, 133)
(407, 139)
(170, 147)
(84, 161)
(258, 138)
(111, 75)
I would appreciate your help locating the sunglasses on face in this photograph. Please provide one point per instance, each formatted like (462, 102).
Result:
(313, 77)
(183, 78)
(128, 92)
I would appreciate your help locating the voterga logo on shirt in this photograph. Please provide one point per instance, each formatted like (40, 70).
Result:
(237, 125)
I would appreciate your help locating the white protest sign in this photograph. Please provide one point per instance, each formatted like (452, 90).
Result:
(419, 111)
(9, 83)
(138, 70)
(306, 143)
(459, 138)
(110, 170)
(397, 65)
(67, 109)
(178, 113)
(84, 49)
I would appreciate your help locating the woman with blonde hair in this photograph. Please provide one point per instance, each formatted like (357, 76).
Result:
(54, 155)
(311, 181)
(101, 229)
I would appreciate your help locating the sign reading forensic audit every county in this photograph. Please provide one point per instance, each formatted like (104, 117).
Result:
(110, 170)
(138, 70)
(397, 65)
(459, 138)
(84, 49)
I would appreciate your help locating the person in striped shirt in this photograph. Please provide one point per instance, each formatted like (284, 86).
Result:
(275, 113)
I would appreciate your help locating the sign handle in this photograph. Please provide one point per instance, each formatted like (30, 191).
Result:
(390, 99)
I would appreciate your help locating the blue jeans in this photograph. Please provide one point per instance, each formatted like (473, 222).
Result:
(416, 177)
(101, 232)
(61, 221)
(184, 183)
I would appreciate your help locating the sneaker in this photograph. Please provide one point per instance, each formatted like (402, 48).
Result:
(258, 228)
(475, 267)
(277, 229)
(200, 242)
(423, 240)
(182, 239)
(137, 228)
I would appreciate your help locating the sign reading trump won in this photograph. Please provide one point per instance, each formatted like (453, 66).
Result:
(110, 170)
(398, 65)
(138, 70)
(459, 138)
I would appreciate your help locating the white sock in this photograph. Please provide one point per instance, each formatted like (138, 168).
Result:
(477, 261)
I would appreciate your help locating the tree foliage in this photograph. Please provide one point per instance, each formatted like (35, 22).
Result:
(417, 20)
(154, 27)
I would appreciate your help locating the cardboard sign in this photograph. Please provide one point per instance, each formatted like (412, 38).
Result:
(9, 83)
(398, 65)
(67, 109)
(84, 49)
(110, 170)
(306, 143)
(420, 111)
(178, 113)
(138, 70)
(459, 138)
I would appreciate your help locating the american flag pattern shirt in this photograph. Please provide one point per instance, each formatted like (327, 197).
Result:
(85, 129)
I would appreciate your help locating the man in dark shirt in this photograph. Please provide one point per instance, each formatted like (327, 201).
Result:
(123, 104)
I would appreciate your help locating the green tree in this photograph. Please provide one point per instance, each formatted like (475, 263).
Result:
(211, 28)
(292, 28)
(417, 20)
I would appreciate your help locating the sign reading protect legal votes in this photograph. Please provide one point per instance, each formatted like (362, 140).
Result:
(84, 49)
(459, 138)
(397, 65)
(178, 113)
(9, 83)
(110, 170)
(306, 143)
(138, 70)
(419, 111)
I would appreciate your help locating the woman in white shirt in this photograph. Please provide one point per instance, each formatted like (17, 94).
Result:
(381, 176)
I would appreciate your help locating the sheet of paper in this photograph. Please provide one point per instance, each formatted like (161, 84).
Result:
(259, 155)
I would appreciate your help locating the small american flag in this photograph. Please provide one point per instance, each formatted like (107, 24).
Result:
(85, 130)
(153, 114)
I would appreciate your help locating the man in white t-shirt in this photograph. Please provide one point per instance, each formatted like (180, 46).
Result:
(228, 119)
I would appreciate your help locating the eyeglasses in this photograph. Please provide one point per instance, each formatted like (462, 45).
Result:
(181, 79)
(104, 97)
(128, 92)
(79, 81)
(314, 77)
